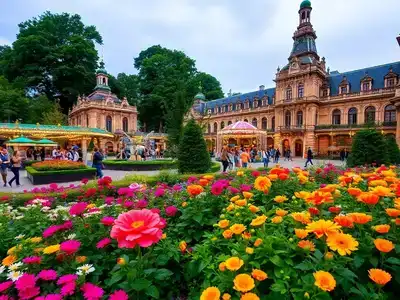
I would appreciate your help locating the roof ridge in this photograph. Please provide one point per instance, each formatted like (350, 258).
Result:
(242, 94)
(357, 70)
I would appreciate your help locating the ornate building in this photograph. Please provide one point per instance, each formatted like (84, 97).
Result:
(103, 110)
(310, 106)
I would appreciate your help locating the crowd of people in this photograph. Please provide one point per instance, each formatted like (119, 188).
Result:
(12, 162)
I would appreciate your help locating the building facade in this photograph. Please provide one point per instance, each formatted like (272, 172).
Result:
(103, 110)
(310, 106)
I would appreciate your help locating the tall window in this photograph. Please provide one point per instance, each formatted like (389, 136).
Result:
(87, 121)
(366, 86)
(254, 122)
(343, 89)
(336, 117)
(273, 124)
(352, 116)
(222, 125)
(390, 113)
(370, 114)
(226, 108)
(264, 123)
(299, 119)
(289, 93)
(215, 129)
(390, 82)
(208, 128)
(300, 91)
(260, 102)
(109, 124)
(288, 119)
(125, 124)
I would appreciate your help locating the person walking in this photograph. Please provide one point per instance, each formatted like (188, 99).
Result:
(224, 159)
(5, 162)
(245, 157)
(97, 162)
(277, 155)
(342, 155)
(15, 166)
(42, 154)
(309, 157)
(289, 155)
(265, 158)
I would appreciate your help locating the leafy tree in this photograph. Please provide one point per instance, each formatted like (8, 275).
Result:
(211, 87)
(55, 116)
(56, 55)
(193, 156)
(129, 87)
(14, 103)
(392, 149)
(369, 146)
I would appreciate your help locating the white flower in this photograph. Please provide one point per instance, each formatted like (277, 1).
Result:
(45, 208)
(15, 275)
(2, 268)
(19, 217)
(71, 236)
(20, 237)
(15, 267)
(85, 269)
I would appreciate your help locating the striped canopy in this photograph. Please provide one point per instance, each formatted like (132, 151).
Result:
(240, 128)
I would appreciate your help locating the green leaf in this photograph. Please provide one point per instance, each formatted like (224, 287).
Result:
(140, 284)
(198, 218)
(278, 287)
(346, 273)
(305, 266)
(358, 261)
(393, 260)
(162, 260)
(115, 278)
(318, 254)
(276, 260)
(374, 261)
(153, 292)
(162, 274)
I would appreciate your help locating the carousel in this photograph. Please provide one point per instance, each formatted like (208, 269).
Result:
(241, 134)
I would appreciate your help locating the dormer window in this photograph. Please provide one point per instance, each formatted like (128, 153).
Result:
(230, 107)
(366, 86)
(226, 108)
(391, 79)
(255, 103)
(260, 102)
(390, 82)
(366, 83)
(344, 86)
(343, 89)
(246, 104)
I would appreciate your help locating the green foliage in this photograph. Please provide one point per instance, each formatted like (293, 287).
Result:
(55, 116)
(210, 85)
(129, 87)
(91, 145)
(193, 156)
(35, 172)
(392, 149)
(369, 146)
(175, 118)
(140, 162)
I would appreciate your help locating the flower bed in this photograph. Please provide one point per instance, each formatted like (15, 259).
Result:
(248, 235)
(131, 165)
(56, 165)
(57, 176)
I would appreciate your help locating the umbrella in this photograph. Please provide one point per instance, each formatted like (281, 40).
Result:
(21, 141)
(46, 143)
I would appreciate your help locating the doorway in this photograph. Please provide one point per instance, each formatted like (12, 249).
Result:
(298, 148)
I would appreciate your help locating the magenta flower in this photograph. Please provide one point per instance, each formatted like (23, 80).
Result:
(128, 204)
(5, 285)
(217, 189)
(67, 279)
(159, 192)
(26, 281)
(32, 260)
(109, 200)
(91, 291)
(50, 231)
(171, 211)
(85, 180)
(141, 204)
(103, 243)
(68, 289)
(108, 221)
(245, 188)
(177, 187)
(78, 208)
(50, 297)
(155, 210)
(4, 297)
(47, 275)
(119, 295)
(70, 247)
(29, 293)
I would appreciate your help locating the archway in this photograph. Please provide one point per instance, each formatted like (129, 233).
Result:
(270, 142)
(298, 148)
(285, 145)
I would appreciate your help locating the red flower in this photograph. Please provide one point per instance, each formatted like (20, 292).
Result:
(313, 210)
(255, 173)
(283, 176)
(335, 209)
(85, 180)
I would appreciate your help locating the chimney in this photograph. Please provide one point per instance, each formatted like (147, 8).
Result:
(262, 87)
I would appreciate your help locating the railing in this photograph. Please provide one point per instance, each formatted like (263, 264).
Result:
(387, 90)
(350, 126)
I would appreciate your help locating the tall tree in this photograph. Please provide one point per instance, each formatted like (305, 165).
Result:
(56, 55)
(55, 116)
(211, 87)
(129, 87)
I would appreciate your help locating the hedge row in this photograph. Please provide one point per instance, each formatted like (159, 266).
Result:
(35, 172)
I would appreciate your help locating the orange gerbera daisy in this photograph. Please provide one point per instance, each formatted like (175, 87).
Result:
(227, 234)
(194, 190)
(223, 223)
(324, 280)
(258, 242)
(323, 227)
(379, 276)
(306, 245)
(211, 293)
(243, 283)
(369, 198)
(301, 233)
(249, 296)
(234, 263)
(302, 217)
(360, 218)
(354, 191)
(393, 212)
(280, 199)
(384, 228)
(237, 228)
(344, 221)
(259, 220)
(253, 209)
(259, 275)
(262, 184)
(277, 220)
(281, 212)
(383, 245)
(342, 243)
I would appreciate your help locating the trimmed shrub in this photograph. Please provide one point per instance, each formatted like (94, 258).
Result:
(193, 156)
(392, 149)
(53, 165)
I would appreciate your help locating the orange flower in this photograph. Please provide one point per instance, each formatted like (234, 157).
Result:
(301, 233)
(234, 263)
(344, 221)
(249, 250)
(222, 266)
(258, 221)
(237, 228)
(397, 221)
(258, 242)
(227, 234)
(194, 190)
(303, 217)
(80, 259)
(302, 194)
(235, 198)
(230, 207)
(354, 191)
(277, 220)
(369, 198)
(379, 276)
(392, 212)
(273, 177)
(203, 182)
(208, 177)
(342, 243)
(9, 260)
(248, 195)
(281, 212)
(323, 227)
(223, 223)
(243, 283)
(382, 191)
(382, 228)
(262, 184)
(226, 296)
(360, 218)
(246, 235)
(182, 246)
(259, 275)
(242, 202)
(324, 280)
(280, 199)
(283, 176)
(306, 245)
(383, 245)
(249, 296)
(253, 208)
(211, 293)
(380, 183)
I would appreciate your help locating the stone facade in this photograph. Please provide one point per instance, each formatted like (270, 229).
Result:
(310, 106)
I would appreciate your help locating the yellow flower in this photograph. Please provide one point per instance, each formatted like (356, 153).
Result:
(302, 217)
(243, 283)
(281, 212)
(184, 204)
(230, 207)
(381, 183)
(9, 260)
(324, 280)
(164, 236)
(259, 275)
(227, 234)
(14, 250)
(242, 202)
(382, 191)
(51, 249)
(80, 259)
(343, 243)
(35, 240)
(259, 220)
(254, 209)
(208, 177)
(249, 296)
(258, 242)
(92, 205)
(237, 228)
(248, 195)
(323, 227)
(249, 250)
(235, 198)
(302, 194)
(222, 266)
(246, 235)
(211, 293)
(280, 199)
(182, 246)
(226, 296)
(239, 173)
(223, 223)
(234, 263)
(301, 233)
(262, 184)
(277, 220)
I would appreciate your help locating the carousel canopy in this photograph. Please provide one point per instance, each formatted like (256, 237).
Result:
(240, 128)
(21, 141)
(46, 142)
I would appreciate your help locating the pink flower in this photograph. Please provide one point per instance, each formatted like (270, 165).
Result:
(171, 211)
(50, 297)
(28, 293)
(141, 204)
(70, 247)
(155, 210)
(128, 204)
(109, 200)
(245, 188)
(119, 295)
(32, 260)
(78, 208)
(68, 289)
(108, 221)
(233, 190)
(177, 187)
(47, 275)
(217, 189)
(103, 243)
(4, 297)
(159, 192)
(50, 231)
(67, 279)
(67, 225)
(26, 281)
(5, 285)
(91, 291)
(137, 227)
(85, 180)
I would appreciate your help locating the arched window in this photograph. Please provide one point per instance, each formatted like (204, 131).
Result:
(264, 123)
(254, 122)
(336, 117)
(300, 91)
(215, 127)
(288, 119)
(352, 116)
(222, 125)
(246, 120)
(273, 124)
(209, 128)
(109, 123)
(289, 93)
(299, 119)
(125, 124)
(370, 114)
(229, 123)
(390, 113)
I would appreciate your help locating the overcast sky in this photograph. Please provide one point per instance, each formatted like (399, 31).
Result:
(239, 42)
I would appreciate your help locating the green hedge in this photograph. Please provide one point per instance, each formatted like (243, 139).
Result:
(35, 172)
(136, 162)
(27, 163)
